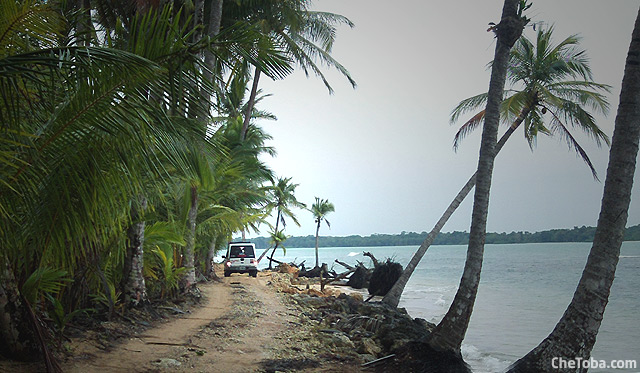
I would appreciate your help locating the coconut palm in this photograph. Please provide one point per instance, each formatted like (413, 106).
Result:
(305, 36)
(79, 138)
(450, 332)
(575, 334)
(283, 201)
(553, 92)
(320, 209)
(235, 201)
(278, 238)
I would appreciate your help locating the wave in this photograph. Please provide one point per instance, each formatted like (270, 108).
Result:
(353, 254)
(481, 361)
(440, 302)
(629, 256)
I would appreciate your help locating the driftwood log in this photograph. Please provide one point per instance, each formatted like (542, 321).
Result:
(377, 280)
(316, 271)
(345, 265)
(324, 282)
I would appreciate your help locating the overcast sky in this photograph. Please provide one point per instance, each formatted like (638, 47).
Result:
(382, 153)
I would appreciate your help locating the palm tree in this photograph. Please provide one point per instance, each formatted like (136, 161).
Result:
(305, 36)
(278, 238)
(449, 333)
(575, 334)
(320, 209)
(237, 196)
(203, 181)
(555, 90)
(283, 200)
(79, 138)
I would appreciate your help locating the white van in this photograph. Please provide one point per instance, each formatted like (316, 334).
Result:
(241, 258)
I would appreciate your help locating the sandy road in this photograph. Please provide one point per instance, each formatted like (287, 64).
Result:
(233, 331)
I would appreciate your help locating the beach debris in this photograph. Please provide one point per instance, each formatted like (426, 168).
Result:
(360, 277)
(376, 361)
(418, 356)
(168, 363)
(383, 278)
(288, 268)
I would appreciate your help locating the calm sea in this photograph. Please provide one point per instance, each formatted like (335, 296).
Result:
(524, 291)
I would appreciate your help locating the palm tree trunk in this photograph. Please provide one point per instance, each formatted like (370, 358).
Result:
(209, 272)
(250, 104)
(278, 217)
(271, 256)
(215, 18)
(189, 251)
(393, 296)
(450, 332)
(134, 287)
(317, 239)
(17, 339)
(84, 25)
(212, 24)
(575, 334)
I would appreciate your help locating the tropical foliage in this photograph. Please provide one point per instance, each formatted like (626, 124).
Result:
(320, 209)
(282, 200)
(119, 178)
(552, 91)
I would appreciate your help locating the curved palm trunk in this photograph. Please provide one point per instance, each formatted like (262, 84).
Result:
(263, 254)
(449, 333)
(250, 104)
(278, 217)
(272, 253)
(134, 287)
(575, 333)
(317, 242)
(189, 251)
(393, 296)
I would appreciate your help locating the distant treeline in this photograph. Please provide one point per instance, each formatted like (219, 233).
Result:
(577, 234)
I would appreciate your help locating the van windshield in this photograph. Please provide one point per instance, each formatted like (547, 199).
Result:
(241, 251)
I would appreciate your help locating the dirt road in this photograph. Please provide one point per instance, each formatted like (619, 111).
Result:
(234, 331)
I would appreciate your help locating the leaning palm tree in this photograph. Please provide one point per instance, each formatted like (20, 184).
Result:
(283, 200)
(320, 209)
(278, 238)
(553, 91)
(575, 334)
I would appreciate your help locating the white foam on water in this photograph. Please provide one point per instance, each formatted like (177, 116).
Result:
(353, 254)
(482, 362)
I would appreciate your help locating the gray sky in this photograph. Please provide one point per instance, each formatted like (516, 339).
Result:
(382, 153)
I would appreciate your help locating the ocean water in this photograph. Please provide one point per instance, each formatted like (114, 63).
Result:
(523, 292)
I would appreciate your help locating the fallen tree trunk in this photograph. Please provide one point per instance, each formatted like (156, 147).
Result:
(345, 265)
(339, 277)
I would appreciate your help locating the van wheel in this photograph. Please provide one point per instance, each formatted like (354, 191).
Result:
(254, 274)
(227, 274)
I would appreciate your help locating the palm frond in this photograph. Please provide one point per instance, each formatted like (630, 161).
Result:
(559, 128)
(469, 104)
(468, 127)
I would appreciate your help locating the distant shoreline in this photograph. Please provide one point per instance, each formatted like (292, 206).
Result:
(576, 234)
